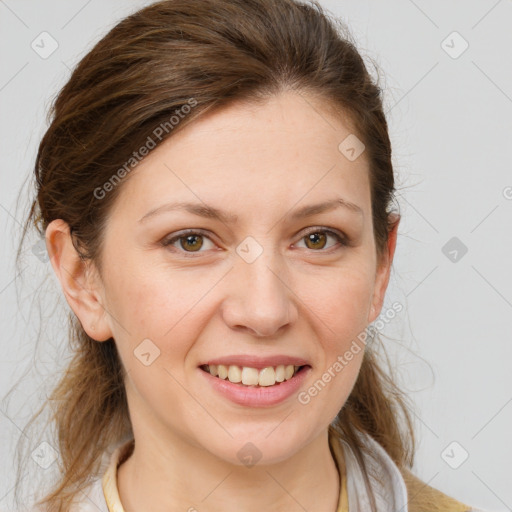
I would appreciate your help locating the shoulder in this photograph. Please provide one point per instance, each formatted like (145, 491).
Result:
(423, 498)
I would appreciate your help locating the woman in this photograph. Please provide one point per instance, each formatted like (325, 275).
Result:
(215, 191)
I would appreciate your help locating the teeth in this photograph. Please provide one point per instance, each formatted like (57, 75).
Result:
(267, 376)
(234, 373)
(252, 376)
(280, 373)
(222, 371)
(249, 376)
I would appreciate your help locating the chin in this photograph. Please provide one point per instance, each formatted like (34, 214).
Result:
(250, 447)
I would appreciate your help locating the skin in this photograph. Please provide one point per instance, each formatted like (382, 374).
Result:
(260, 163)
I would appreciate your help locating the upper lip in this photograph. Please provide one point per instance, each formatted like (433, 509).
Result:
(257, 362)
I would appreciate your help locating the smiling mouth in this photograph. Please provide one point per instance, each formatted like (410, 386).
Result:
(252, 377)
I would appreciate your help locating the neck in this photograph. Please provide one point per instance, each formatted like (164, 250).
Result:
(181, 476)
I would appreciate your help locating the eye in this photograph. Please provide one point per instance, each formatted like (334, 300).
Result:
(189, 239)
(316, 239)
(192, 241)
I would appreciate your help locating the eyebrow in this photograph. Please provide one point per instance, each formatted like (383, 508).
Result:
(210, 212)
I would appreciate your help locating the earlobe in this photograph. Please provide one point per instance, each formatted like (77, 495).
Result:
(79, 282)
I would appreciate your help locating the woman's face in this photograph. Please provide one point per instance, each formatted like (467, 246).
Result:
(250, 284)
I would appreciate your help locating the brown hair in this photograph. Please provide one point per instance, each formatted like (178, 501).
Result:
(143, 70)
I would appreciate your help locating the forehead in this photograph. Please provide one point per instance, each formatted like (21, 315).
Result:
(282, 152)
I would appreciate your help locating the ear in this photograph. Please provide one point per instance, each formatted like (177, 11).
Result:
(383, 270)
(79, 281)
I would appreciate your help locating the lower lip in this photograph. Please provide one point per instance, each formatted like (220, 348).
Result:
(257, 396)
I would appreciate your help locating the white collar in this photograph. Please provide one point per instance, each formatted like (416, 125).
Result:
(386, 479)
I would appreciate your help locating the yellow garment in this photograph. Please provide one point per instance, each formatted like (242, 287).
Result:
(423, 498)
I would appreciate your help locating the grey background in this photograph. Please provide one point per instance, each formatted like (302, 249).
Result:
(450, 120)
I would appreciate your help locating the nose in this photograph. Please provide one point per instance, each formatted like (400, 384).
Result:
(259, 300)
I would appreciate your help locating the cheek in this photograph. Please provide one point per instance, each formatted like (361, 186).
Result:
(148, 300)
(341, 303)
(167, 309)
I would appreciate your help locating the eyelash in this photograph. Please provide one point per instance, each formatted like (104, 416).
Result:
(342, 239)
